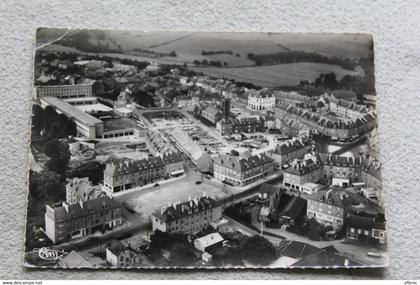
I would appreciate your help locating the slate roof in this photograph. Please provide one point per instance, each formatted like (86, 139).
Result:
(340, 160)
(291, 146)
(333, 198)
(73, 260)
(89, 207)
(296, 249)
(324, 121)
(119, 166)
(211, 110)
(242, 164)
(172, 157)
(178, 211)
(300, 167)
(327, 257)
(367, 222)
(117, 247)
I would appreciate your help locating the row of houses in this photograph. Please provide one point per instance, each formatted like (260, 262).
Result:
(239, 171)
(122, 174)
(190, 216)
(337, 171)
(70, 221)
(232, 126)
(322, 124)
(329, 207)
(157, 143)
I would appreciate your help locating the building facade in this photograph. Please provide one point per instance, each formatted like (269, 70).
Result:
(290, 150)
(241, 125)
(121, 256)
(211, 113)
(67, 222)
(188, 217)
(81, 189)
(124, 174)
(87, 125)
(237, 171)
(327, 208)
(174, 163)
(366, 227)
(261, 102)
(64, 91)
(341, 171)
(301, 172)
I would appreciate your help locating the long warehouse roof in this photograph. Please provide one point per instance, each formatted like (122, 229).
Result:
(71, 111)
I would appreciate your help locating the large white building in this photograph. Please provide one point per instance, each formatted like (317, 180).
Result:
(188, 217)
(261, 102)
(86, 124)
(64, 91)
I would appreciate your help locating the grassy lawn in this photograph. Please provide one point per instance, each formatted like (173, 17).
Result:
(276, 75)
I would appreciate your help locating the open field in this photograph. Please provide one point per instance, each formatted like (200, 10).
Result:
(189, 45)
(277, 75)
(147, 201)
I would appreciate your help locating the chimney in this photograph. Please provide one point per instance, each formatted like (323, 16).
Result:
(327, 195)
(163, 209)
(346, 262)
(66, 206)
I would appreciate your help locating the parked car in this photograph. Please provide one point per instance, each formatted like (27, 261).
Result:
(198, 182)
(156, 185)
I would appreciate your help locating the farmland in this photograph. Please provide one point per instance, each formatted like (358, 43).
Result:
(189, 45)
(277, 75)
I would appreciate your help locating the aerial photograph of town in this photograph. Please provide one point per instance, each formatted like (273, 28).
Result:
(204, 150)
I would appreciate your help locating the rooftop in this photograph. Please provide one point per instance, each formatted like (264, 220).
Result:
(242, 164)
(117, 247)
(209, 240)
(121, 166)
(177, 211)
(303, 166)
(118, 124)
(71, 111)
(331, 196)
(291, 146)
(326, 257)
(69, 212)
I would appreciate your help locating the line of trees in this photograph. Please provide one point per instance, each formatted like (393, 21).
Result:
(216, 63)
(358, 84)
(152, 53)
(284, 57)
(211, 52)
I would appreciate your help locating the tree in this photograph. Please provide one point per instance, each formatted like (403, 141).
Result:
(70, 128)
(59, 156)
(52, 148)
(92, 169)
(50, 116)
(45, 184)
(37, 117)
(258, 250)
(182, 254)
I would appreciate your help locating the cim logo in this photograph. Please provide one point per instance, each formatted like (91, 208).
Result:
(50, 254)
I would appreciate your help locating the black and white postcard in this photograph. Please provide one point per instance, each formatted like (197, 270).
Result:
(204, 150)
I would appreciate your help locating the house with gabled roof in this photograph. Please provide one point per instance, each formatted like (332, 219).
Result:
(190, 216)
(239, 171)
